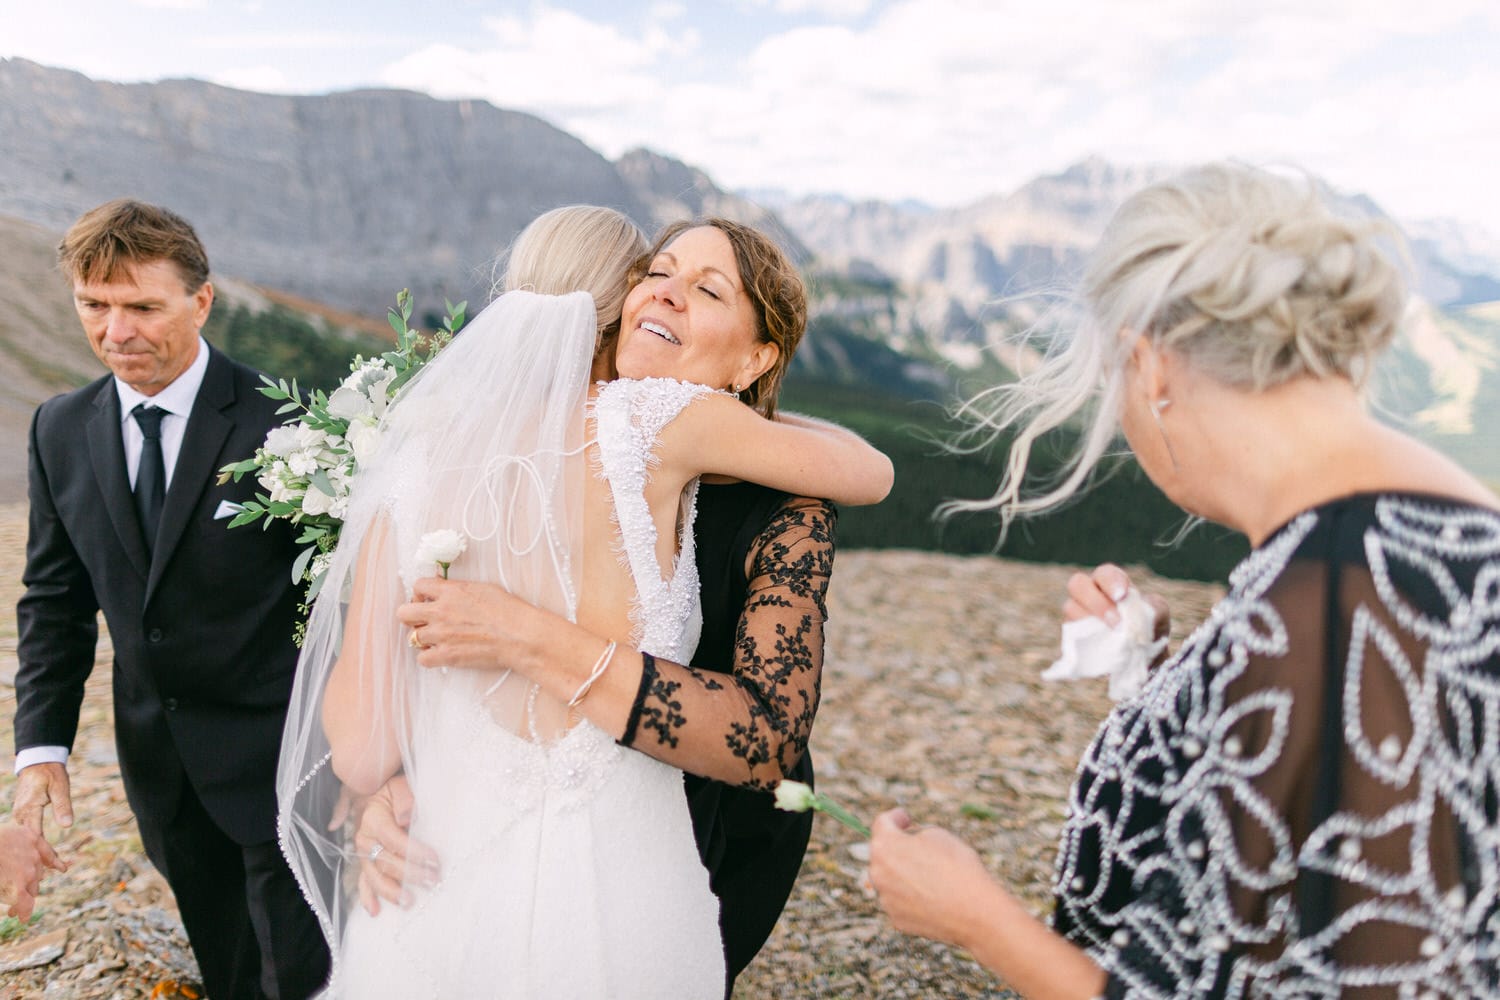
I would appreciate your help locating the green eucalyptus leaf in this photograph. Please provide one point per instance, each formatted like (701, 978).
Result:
(299, 567)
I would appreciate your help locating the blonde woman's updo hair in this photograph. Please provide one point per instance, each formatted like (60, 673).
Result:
(1248, 276)
(578, 248)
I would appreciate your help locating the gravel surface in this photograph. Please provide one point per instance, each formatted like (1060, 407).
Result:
(930, 701)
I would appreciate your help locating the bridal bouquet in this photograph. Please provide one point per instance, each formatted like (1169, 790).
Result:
(307, 465)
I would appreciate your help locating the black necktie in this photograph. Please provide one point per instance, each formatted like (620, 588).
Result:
(151, 473)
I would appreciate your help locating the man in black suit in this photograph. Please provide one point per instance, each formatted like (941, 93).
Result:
(126, 517)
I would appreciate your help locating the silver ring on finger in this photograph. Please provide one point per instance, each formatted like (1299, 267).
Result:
(376, 851)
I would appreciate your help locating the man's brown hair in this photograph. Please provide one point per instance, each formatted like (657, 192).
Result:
(107, 242)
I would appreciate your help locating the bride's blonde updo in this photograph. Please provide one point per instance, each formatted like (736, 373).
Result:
(1248, 276)
(576, 248)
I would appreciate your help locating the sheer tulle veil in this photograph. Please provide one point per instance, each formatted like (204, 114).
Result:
(488, 440)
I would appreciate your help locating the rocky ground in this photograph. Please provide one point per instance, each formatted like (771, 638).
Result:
(930, 700)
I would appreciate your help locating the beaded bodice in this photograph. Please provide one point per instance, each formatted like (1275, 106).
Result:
(629, 415)
(1303, 801)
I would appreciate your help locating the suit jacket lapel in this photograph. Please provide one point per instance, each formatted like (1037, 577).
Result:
(107, 455)
(207, 429)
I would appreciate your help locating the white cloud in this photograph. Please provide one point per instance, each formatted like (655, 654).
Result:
(827, 8)
(949, 100)
(553, 62)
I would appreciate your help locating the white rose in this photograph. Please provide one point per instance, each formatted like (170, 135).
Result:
(281, 441)
(315, 501)
(340, 508)
(441, 546)
(363, 439)
(349, 404)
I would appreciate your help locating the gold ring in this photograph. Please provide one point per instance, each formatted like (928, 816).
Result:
(413, 641)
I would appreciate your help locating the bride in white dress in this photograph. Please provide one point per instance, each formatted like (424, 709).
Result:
(570, 868)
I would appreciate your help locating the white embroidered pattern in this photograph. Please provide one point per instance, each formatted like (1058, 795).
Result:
(629, 416)
(1174, 823)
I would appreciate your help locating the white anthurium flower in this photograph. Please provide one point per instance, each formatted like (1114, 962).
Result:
(315, 501)
(349, 404)
(281, 441)
(364, 439)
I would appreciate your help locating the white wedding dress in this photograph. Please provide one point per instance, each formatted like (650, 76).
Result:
(569, 866)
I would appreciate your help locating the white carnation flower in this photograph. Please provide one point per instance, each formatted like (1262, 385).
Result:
(793, 796)
(309, 437)
(302, 463)
(281, 441)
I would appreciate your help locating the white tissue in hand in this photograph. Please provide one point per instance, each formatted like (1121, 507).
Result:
(1090, 648)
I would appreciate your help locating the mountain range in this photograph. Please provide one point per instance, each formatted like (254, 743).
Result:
(342, 199)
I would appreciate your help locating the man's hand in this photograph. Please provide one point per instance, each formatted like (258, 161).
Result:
(24, 854)
(38, 785)
(383, 819)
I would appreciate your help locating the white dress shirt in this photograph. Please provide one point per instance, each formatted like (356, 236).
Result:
(177, 400)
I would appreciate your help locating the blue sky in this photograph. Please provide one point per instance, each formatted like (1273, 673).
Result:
(940, 100)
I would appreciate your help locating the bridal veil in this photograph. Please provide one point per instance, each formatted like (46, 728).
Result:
(487, 440)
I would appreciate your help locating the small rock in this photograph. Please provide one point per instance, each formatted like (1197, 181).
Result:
(34, 952)
(860, 851)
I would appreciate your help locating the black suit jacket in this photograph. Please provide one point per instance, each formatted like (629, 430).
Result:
(203, 654)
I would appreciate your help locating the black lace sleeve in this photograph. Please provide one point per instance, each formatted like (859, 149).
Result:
(751, 725)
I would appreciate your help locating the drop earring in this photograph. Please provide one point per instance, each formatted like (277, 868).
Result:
(734, 390)
(1158, 407)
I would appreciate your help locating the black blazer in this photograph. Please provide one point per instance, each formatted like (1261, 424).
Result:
(202, 629)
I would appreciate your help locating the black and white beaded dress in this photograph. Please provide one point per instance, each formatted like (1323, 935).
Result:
(1303, 801)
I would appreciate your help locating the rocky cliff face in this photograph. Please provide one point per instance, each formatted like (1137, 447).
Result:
(344, 198)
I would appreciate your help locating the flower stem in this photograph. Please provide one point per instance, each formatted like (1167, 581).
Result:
(824, 804)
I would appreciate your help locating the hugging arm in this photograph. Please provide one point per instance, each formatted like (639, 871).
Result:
(795, 454)
(361, 700)
(747, 727)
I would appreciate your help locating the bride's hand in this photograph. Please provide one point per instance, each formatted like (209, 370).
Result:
(400, 861)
